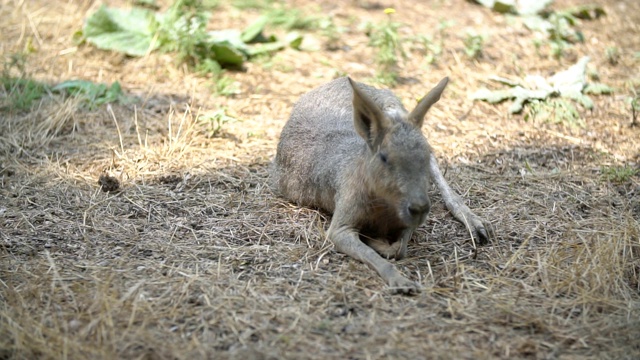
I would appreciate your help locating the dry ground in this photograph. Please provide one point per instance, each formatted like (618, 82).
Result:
(194, 257)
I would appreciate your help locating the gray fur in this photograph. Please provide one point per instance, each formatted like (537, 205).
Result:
(356, 152)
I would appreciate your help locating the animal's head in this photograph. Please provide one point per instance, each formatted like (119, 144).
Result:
(398, 154)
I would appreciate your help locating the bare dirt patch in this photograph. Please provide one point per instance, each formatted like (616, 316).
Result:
(192, 256)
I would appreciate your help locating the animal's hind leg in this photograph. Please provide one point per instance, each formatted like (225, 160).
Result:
(481, 230)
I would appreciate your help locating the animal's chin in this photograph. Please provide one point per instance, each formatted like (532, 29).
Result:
(412, 220)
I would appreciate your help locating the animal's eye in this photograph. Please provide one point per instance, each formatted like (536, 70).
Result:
(383, 158)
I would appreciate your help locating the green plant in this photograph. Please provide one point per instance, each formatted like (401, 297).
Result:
(618, 174)
(388, 44)
(253, 4)
(612, 54)
(537, 44)
(183, 30)
(292, 19)
(214, 122)
(551, 98)
(331, 32)
(226, 86)
(432, 49)
(555, 110)
(22, 92)
(132, 32)
(562, 33)
(634, 104)
(221, 84)
(444, 25)
(151, 4)
(279, 15)
(210, 4)
(92, 94)
(19, 92)
(431, 45)
(473, 45)
(560, 27)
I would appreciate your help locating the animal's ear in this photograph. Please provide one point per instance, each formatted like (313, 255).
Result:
(417, 115)
(368, 119)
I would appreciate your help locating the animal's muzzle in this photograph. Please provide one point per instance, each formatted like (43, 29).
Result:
(416, 210)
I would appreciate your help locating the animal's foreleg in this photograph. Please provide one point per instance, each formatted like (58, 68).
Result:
(347, 241)
(480, 230)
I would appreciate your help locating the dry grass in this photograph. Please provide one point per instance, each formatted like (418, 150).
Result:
(193, 256)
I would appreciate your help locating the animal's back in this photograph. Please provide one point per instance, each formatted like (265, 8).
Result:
(319, 145)
(308, 158)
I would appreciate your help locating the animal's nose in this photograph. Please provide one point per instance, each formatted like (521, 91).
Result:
(419, 206)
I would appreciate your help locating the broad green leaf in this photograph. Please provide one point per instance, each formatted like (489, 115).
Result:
(501, 6)
(573, 80)
(537, 82)
(568, 84)
(78, 86)
(126, 31)
(598, 89)
(587, 12)
(532, 7)
(504, 81)
(536, 23)
(504, 6)
(294, 39)
(519, 95)
(138, 31)
(231, 37)
(520, 7)
(492, 97)
(253, 32)
(266, 48)
(486, 3)
(113, 93)
(227, 54)
(522, 95)
(584, 100)
(93, 93)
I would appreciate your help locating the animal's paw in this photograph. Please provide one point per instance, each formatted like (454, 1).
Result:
(481, 230)
(401, 285)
